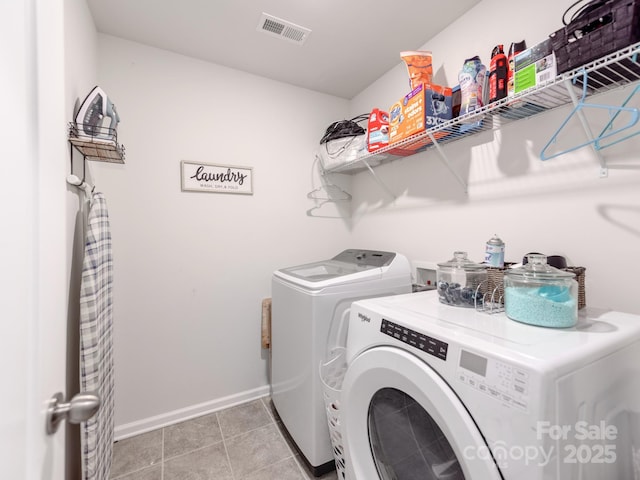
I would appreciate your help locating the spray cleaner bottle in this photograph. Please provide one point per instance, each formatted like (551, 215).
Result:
(498, 73)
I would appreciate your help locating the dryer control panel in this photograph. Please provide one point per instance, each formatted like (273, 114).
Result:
(370, 258)
(423, 342)
(506, 383)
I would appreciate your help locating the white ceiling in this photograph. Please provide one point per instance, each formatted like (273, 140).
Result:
(352, 42)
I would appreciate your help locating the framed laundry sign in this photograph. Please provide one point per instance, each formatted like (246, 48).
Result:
(207, 177)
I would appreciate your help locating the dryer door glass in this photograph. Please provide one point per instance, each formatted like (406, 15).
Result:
(406, 442)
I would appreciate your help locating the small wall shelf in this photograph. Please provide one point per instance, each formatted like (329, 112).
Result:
(102, 146)
(607, 73)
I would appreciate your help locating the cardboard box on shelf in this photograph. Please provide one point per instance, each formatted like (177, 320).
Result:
(534, 66)
(426, 106)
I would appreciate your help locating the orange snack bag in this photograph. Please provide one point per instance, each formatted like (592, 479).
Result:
(419, 67)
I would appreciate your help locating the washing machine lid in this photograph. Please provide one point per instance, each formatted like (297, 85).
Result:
(349, 266)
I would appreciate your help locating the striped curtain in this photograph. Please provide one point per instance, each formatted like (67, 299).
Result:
(96, 343)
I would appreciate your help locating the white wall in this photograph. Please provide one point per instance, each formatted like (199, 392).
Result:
(191, 269)
(80, 77)
(560, 206)
(80, 74)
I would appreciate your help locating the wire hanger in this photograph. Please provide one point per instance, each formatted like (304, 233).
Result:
(315, 211)
(317, 206)
(607, 132)
(328, 191)
(324, 193)
(323, 196)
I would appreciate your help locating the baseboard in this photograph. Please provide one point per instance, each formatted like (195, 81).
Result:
(158, 421)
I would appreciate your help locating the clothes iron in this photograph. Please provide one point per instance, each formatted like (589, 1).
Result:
(97, 117)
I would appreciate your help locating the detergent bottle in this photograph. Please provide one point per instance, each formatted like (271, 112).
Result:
(471, 79)
(498, 73)
(377, 130)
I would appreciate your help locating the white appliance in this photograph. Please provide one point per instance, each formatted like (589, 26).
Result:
(305, 299)
(433, 391)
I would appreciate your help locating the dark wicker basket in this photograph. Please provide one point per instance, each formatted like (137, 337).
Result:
(579, 272)
(611, 27)
(495, 283)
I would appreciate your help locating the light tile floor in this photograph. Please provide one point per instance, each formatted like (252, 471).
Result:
(245, 442)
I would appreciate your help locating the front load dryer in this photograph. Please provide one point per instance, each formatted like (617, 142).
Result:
(305, 300)
(438, 392)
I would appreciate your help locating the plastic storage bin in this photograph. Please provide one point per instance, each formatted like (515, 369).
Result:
(610, 27)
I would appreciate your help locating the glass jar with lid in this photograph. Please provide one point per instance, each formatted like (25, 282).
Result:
(539, 294)
(461, 282)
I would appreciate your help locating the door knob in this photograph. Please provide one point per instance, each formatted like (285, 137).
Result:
(80, 409)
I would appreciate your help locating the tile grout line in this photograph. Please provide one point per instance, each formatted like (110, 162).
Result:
(197, 449)
(250, 431)
(266, 407)
(293, 454)
(276, 463)
(162, 457)
(224, 444)
(272, 421)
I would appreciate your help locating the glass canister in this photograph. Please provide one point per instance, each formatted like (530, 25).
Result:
(461, 282)
(539, 294)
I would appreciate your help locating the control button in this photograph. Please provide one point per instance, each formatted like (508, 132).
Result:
(520, 388)
(520, 403)
(423, 342)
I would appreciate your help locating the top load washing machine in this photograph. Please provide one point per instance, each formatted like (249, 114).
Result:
(305, 299)
(438, 392)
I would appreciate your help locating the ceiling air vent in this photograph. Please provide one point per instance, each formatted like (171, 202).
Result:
(276, 27)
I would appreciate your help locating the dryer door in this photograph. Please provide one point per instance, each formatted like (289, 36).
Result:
(401, 421)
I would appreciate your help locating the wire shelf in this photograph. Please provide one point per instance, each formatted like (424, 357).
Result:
(96, 143)
(607, 73)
